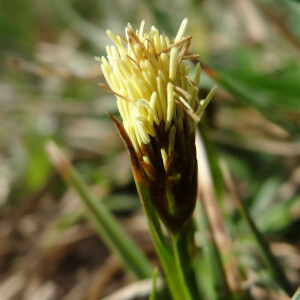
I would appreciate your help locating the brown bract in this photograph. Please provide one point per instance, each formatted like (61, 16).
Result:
(172, 185)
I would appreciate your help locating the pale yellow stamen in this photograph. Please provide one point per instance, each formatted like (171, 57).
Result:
(146, 160)
(162, 98)
(114, 38)
(186, 107)
(148, 74)
(149, 108)
(170, 107)
(173, 63)
(164, 156)
(141, 31)
(205, 102)
(181, 30)
(155, 108)
(146, 124)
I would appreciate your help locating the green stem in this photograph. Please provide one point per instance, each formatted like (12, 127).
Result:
(166, 257)
(170, 257)
(153, 294)
(179, 268)
(181, 247)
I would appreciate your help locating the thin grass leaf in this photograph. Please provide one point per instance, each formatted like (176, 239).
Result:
(154, 279)
(274, 266)
(105, 223)
(281, 216)
(183, 243)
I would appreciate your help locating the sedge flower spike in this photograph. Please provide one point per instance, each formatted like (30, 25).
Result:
(159, 105)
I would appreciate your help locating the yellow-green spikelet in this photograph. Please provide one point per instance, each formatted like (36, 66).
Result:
(159, 106)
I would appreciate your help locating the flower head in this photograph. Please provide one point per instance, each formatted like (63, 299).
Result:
(160, 108)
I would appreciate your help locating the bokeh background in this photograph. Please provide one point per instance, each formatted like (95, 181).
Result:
(48, 91)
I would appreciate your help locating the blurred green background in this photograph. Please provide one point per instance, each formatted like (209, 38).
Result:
(48, 90)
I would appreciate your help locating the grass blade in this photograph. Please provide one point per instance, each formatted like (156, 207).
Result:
(274, 266)
(105, 223)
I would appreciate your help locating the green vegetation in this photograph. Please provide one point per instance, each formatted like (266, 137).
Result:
(247, 247)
